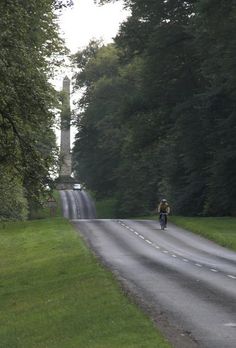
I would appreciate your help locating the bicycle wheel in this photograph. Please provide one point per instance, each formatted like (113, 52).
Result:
(162, 222)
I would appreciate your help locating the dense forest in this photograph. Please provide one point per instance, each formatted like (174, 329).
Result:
(157, 116)
(30, 49)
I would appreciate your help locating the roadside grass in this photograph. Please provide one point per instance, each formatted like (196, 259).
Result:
(54, 293)
(105, 208)
(221, 230)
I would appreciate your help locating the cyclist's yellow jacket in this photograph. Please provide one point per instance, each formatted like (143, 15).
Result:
(163, 208)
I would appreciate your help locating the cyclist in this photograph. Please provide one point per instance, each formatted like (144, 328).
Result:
(163, 208)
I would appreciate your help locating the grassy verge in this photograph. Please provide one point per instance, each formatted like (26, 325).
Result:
(53, 293)
(105, 208)
(222, 230)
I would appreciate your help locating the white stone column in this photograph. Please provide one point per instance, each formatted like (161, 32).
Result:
(65, 153)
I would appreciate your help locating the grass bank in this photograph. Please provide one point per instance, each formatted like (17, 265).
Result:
(105, 208)
(53, 293)
(222, 230)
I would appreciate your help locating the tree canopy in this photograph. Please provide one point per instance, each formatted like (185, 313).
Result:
(29, 47)
(158, 113)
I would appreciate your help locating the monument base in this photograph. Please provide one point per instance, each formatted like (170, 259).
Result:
(65, 183)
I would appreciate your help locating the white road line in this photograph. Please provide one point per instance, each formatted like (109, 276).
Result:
(231, 276)
(173, 255)
(177, 253)
(167, 252)
(230, 324)
(148, 241)
(198, 265)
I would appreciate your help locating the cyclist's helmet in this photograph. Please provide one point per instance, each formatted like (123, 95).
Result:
(164, 200)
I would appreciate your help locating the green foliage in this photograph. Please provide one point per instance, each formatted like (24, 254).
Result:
(215, 25)
(97, 144)
(29, 43)
(158, 113)
(106, 208)
(41, 210)
(13, 204)
(222, 230)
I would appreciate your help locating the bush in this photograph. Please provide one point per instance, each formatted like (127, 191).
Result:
(13, 204)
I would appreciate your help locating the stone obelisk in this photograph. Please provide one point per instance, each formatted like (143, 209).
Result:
(65, 180)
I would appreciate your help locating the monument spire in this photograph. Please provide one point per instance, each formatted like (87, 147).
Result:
(65, 169)
(65, 181)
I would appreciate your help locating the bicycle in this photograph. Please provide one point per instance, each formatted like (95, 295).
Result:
(163, 220)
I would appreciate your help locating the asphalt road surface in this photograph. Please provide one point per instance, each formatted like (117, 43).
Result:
(186, 283)
(77, 204)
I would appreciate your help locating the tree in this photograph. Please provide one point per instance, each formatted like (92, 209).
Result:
(96, 152)
(216, 40)
(174, 112)
(29, 40)
(13, 204)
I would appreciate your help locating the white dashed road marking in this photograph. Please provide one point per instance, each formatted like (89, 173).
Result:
(198, 265)
(148, 241)
(231, 276)
(175, 256)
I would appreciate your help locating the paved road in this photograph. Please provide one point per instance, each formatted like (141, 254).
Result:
(186, 283)
(77, 204)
